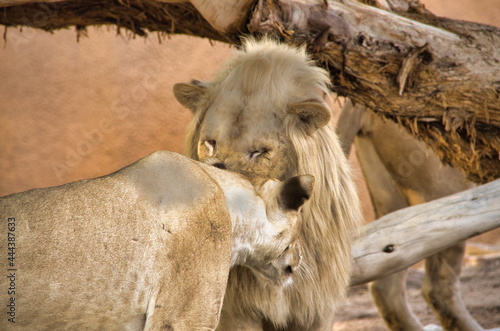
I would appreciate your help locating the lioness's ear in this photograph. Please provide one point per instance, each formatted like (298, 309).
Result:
(312, 115)
(295, 192)
(188, 94)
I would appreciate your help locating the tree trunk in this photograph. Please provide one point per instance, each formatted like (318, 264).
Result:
(402, 238)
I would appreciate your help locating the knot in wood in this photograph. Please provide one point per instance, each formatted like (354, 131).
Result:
(388, 248)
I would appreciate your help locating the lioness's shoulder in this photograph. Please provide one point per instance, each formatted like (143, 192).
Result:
(165, 173)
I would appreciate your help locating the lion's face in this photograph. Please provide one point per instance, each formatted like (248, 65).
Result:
(229, 133)
(250, 134)
(247, 114)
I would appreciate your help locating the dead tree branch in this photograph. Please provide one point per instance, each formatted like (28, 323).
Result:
(402, 238)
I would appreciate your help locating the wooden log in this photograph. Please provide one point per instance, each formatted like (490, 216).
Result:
(138, 16)
(402, 238)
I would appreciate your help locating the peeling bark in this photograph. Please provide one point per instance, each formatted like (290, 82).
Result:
(139, 17)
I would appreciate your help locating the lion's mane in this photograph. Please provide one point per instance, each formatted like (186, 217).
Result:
(333, 214)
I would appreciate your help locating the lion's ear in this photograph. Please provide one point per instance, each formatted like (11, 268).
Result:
(188, 94)
(295, 191)
(312, 115)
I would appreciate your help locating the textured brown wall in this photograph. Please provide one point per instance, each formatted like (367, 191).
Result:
(481, 11)
(77, 110)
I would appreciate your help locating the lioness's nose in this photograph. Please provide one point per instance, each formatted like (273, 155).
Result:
(291, 258)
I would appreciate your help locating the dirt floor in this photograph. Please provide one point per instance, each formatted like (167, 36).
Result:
(480, 288)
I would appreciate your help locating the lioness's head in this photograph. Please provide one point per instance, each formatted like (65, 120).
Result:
(265, 215)
(247, 116)
(278, 252)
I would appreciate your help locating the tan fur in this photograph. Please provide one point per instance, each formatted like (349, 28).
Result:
(400, 172)
(264, 113)
(148, 247)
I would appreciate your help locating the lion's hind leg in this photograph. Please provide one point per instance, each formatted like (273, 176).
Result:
(389, 296)
(388, 293)
(441, 289)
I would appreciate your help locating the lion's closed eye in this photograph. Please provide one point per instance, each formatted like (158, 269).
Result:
(256, 153)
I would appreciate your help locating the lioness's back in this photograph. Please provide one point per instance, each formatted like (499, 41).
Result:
(96, 250)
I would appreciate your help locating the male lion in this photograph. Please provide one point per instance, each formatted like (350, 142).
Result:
(146, 248)
(264, 113)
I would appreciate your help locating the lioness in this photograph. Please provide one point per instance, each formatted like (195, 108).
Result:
(148, 247)
(265, 113)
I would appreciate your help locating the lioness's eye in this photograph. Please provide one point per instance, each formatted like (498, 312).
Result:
(210, 145)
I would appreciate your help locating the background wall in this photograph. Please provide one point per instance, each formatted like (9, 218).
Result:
(77, 110)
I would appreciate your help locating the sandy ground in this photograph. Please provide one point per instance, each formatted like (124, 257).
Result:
(480, 289)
